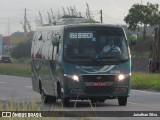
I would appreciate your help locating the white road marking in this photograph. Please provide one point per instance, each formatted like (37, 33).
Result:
(146, 92)
(2, 82)
(133, 103)
(29, 86)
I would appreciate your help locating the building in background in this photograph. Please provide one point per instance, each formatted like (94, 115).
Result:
(1, 46)
(7, 44)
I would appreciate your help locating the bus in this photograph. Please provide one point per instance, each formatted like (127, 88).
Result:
(68, 63)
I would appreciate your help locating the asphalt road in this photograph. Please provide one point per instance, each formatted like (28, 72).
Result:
(20, 90)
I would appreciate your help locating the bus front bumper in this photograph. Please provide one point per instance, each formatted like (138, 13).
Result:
(77, 93)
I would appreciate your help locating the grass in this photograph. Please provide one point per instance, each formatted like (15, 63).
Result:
(21, 60)
(36, 107)
(15, 106)
(145, 81)
(20, 107)
(15, 69)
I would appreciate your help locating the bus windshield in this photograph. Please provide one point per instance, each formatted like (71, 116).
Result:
(90, 45)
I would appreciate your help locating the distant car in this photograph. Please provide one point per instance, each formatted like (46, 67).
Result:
(5, 59)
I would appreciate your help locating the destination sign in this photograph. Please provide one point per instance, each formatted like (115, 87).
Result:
(81, 35)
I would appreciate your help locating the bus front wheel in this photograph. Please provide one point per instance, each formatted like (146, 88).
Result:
(66, 102)
(122, 101)
(46, 98)
(60, 95)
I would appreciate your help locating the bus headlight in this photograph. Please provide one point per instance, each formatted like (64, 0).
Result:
(123, 76)
(73, 77)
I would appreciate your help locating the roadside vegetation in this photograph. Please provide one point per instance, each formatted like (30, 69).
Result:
(142, 49)
(23, 49)
(142, 15)
(36, 107)
(15, 69)
(15, 106)
(22, 60)
(145, 81)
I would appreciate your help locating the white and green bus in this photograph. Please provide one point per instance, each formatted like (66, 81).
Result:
(69, 62)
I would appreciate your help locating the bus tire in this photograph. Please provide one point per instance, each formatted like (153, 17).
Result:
(66, 102)
(122, 101)
(101, 100)
(93, 101)
(45, 98)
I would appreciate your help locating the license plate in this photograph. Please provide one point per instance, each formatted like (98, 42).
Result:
(99, 84)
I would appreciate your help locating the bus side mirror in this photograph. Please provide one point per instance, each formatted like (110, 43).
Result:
(133, 39)
(55, 41)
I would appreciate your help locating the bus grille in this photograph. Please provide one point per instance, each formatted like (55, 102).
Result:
(99, 78)
(98, 90)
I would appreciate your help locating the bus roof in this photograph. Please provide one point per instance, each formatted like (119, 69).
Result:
(44, 28)
(94, 25)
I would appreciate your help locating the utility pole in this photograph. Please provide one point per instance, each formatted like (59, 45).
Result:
(25, 21)
(101, 18)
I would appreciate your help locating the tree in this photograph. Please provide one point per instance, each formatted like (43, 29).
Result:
(142, 15)
(23, 49)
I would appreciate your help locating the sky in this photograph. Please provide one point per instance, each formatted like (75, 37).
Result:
(12, 11)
